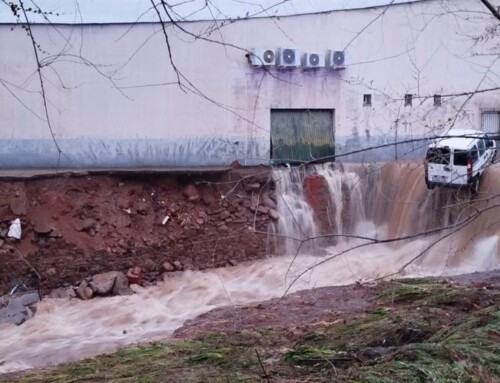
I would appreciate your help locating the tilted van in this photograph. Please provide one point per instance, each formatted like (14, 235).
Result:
(458, 159)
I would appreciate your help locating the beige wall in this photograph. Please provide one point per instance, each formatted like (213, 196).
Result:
(111, 109)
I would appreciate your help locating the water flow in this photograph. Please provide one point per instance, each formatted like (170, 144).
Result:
(65, 330)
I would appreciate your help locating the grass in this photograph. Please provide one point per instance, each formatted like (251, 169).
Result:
(416, 331)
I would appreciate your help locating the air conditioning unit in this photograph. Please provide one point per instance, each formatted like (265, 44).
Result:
(311, 60)
(263, 57)
(288, 57)
(336, 59)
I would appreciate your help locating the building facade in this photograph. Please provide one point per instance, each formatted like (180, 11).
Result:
(117, 96)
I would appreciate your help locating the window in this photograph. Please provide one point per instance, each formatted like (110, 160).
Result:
(408, 99)
(440, 156)
(367, 100)
(474, 154)
(460, 158)
(481, 147)
(437, 100)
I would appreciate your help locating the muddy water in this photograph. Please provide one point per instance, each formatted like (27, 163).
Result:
(384, 202)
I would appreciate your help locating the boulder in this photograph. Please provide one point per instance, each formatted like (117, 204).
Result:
(102, 284)
(121, 286)
(17, 308)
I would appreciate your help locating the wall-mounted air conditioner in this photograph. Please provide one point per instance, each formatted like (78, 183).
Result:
(289, 58)
(263, 57)
(336, 59)
(311, 60)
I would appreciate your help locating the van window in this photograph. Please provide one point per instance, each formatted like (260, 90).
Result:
(481, 147)
(474, 154)
(439, 156)
(460, 158)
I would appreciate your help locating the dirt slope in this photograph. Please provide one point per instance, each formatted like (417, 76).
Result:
(74, 227)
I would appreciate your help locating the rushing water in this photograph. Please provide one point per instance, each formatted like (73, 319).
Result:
(363, 205)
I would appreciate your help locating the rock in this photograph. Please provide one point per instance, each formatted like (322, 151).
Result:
(18, 206)
(102, 284)
(135, 276)
(141, 207)
(223, 228)
(200, 221)
(168, 267)
(2, 242)
(63, 293)
(121, 221)
(253, 186)
(51, 272)
(263, 209)
(88, 223)
(191, 193)
(225, 214)
(150, 266)
(16, 308)
(267, 201)
(123, 203)
(42, 226)
(231, 262)
(121, 286)
(84, 291)
(178, 265)
(273, 214)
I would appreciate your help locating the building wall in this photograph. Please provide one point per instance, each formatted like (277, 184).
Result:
(113, 100)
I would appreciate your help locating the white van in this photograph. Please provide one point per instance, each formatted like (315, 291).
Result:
(458, 159)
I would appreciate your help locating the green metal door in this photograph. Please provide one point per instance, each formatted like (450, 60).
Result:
(302, 135)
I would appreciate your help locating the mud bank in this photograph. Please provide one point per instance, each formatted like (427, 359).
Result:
(75, 226)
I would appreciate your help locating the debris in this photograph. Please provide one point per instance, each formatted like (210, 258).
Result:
(135, 276)
(15, 229)
(165, 220)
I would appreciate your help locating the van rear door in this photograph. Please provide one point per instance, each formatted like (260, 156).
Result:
(438, 162)
(459, 172)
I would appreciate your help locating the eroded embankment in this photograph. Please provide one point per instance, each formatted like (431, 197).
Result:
(78, 226)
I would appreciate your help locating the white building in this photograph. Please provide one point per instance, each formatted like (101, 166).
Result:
(112, 98)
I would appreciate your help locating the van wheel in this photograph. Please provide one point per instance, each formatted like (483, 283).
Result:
(474, 187)
(429, 185)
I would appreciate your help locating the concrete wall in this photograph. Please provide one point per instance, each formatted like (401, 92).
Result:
(113, 99)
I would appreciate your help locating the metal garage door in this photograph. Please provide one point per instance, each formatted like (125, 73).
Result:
(299, 135)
